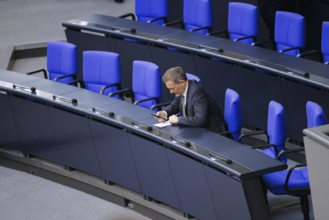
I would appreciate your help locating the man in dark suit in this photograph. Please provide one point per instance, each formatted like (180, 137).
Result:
(192, 105)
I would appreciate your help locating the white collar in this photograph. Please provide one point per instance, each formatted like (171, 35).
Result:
(185, 92)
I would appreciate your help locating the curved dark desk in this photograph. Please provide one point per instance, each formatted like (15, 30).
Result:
(258, 75)
(191, 169)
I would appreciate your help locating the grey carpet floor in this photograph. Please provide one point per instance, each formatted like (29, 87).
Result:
(24, 196)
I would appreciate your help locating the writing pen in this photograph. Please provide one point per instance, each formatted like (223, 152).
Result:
(157, 116)
(166, 119)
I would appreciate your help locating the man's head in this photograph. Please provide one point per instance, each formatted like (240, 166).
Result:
(175, 80)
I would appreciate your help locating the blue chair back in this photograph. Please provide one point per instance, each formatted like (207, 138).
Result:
(315, 115)
(100, 69)
(232, 113)
(146, 82)
(62, 60)
(276, 129)
(147, 10)
(325, 41)
(191, 76)
(242, 21)
(197, 13)
(289, 32)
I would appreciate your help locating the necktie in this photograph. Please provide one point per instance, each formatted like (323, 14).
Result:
(183, 103)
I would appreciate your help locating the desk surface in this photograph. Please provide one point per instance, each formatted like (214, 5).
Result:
(285, 65)
(206, 146)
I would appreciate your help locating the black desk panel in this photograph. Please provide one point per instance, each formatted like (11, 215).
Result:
(153, 170)
(231, 190)
(8, 129)
(34, 125)
(114, 154)
(74, 141)
(129, 51)
(126, 148)
(295, 98)
(189, 176)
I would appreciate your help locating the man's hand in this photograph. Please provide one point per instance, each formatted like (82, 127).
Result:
(173, 119)
(161, 116)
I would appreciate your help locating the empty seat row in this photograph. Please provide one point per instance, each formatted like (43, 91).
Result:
(102, 73)
(289, 32)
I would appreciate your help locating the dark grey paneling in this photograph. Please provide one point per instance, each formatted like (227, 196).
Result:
(154, 171)
(228, 195)
(255, 87)
(192, 186)
(8, 130)
(296, 96)
(129, 51)
(35, 129)
(114, 155)
(74, 139)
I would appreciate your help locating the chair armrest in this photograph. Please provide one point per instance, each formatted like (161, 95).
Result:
(287, 151)
(246, 37)
(133, 17)
(38, 71)
(66, 76)
(312, 55)
(109, 86)
(123, 92)
(62, 77)
(219, 32)
(76, 82)
(307, 53)
(288, 178)
(268, 146)
(157, 19)
(144, 100)
(226, 134)
(264, 43)
(160, 105)
(201, 28)
(181, 24)
(289, 49)
(253, 133)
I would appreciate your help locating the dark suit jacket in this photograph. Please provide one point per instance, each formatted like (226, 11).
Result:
(201, 109)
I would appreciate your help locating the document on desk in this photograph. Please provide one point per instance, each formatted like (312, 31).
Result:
(162, 124)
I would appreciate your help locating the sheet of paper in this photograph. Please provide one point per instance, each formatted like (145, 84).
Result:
(162, 124)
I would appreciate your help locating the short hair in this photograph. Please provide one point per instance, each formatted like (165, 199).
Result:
(174, 74)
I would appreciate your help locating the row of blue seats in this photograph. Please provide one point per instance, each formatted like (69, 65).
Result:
(289, 36)
(101, 74)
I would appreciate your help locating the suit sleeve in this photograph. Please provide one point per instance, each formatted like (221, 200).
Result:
(173, 108)
(199, 105)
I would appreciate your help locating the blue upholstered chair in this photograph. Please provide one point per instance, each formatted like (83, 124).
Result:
(62, 62)
(146, 88)
(276, 132)
(295, 181)
(325, 42)
(315, 115)
(243, 22)
(101, 71)
(150, 11)
(289, 33)
(232, 114)
(197, 16)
